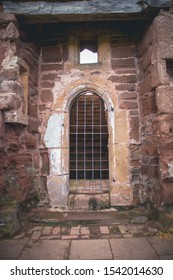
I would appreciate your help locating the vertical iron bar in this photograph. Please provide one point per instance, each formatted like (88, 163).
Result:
(100, 139)
(77, 140)
(84, 139)
(93, 137)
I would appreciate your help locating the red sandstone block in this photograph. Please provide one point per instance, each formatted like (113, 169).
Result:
(164, 99)
(127, 95)
(125, 87)
(125, 70)
(24, 184)
(148, 104)
(2, 55)
(163, 26)
(145, 85)
(135, 151)
(135, 163)
(123, 62)
(42, 107)
(149, 160)
(3, 161)
(167, 193)
(133, 113)
(20, 159)
(128, 104)
(150, 171)
(159, 74)
(147, 39)
(123, 51)
(163, 126)
(47, 84)
(33, 125)
(49, 77)
(2, 183)
(28, 140)
(123, 78)
(36, 160)
(134, 128)
(9, 101)
(51, 67)
(51, 54)
(149, 149)
(46, 96)
(45, 162)
(165, 148)
(32, 109)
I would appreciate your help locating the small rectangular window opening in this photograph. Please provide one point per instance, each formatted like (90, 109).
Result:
(88, 52)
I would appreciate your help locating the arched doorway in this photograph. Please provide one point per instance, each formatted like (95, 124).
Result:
(89, 159)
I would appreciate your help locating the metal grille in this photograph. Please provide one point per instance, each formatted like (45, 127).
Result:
(89, 141)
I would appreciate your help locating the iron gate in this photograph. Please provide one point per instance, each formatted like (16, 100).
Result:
(89, 142)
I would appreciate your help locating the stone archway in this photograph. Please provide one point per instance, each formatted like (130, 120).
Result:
(89, 157)
(58, 143)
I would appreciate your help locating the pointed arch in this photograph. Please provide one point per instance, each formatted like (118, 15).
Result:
(89, 139)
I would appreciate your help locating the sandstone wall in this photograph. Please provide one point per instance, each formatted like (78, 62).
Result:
(19, 158)
(124, 64)
(155, 88)
(62, 78)
(134, 76)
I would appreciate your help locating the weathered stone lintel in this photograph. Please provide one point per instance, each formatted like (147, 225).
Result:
(81, 10)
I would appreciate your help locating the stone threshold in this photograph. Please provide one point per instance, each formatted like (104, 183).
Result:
(106, 216)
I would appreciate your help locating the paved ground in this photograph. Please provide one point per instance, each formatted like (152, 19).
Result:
(94, 241)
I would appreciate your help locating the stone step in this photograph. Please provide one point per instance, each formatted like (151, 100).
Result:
(118, 216)
(88, 201)
(165, 217)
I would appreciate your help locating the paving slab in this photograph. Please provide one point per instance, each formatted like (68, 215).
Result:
(56, 230)
(128, 229)
(104, 229)
(11, 249)
(90, 250)
(46, 250)
(75, 230)
(163, 247)
(85, 231)
(36, 235)
(132, 249)
(47, 230)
